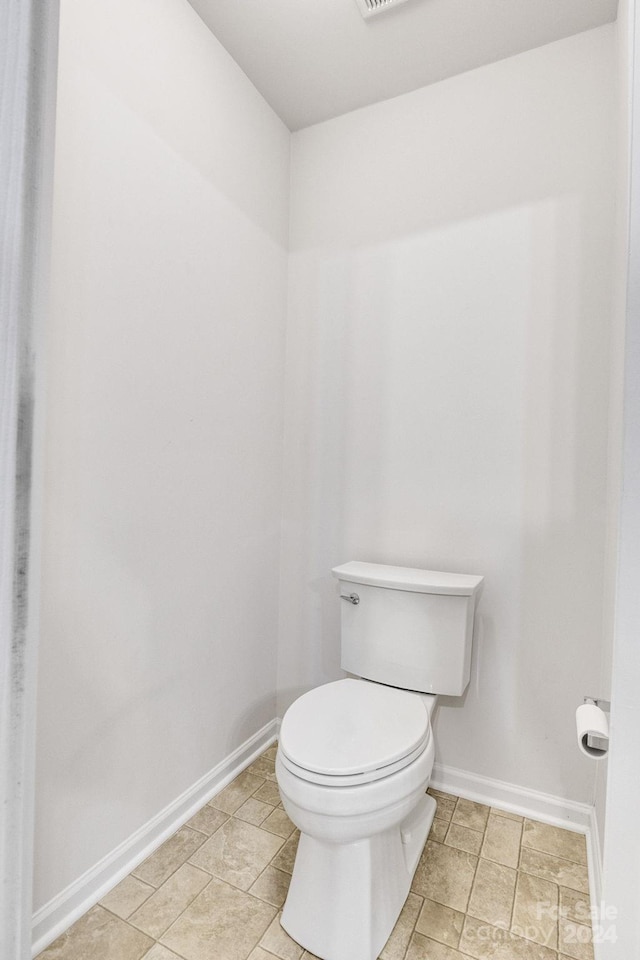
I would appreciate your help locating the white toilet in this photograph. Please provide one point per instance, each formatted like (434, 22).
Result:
(355, 756)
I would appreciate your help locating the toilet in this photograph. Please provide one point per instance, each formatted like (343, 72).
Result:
(355, 756)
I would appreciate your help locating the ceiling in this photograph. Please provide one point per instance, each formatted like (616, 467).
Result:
(316, 59)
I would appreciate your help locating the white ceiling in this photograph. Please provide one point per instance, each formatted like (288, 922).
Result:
(315, 59)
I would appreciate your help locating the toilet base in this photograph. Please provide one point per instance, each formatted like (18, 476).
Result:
(344, 899)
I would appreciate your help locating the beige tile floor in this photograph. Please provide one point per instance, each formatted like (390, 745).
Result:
(489, 886)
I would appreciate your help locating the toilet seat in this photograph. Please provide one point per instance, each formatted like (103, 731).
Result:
(352, 731)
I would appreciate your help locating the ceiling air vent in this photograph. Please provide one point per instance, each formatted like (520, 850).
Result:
(369, 8)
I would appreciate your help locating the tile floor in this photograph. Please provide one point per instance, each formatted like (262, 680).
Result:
(489, 886)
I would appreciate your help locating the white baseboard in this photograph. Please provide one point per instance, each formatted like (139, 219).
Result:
(507, 796)
(68, 906)
(594, 856)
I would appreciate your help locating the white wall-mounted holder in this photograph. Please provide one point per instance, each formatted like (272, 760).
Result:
(369, 8)
(592, 727)
(603, 704)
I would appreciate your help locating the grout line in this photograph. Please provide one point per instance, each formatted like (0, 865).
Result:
(121, 919)
(578, 863)
(513, 902)
(558, 917)
(173, 872)
(205, 835)
(126, 919)
(413, 926)
(475, 873)
(157, 943)
(518, 875)
(277, 909)
(471, 886)
(187, 860)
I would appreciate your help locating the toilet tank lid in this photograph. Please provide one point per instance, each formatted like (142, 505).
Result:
(408, 578)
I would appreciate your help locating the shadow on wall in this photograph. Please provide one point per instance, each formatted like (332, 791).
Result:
(249, 722)
(178, 76)
(565, 430)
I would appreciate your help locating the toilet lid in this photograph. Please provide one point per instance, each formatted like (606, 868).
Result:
(351, 727)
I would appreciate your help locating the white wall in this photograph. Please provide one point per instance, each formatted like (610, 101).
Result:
(447, 391)
(624, 58)
(621, 880)
(164, 445)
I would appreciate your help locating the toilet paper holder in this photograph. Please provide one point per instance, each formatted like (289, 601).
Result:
(594, 742)
(603, 704)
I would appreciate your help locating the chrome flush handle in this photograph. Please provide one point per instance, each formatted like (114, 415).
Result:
(352, 598)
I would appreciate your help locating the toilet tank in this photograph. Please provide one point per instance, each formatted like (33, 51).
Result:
(409, 628)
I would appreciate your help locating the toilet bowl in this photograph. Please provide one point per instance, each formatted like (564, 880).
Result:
(353, 764)
(355, 755)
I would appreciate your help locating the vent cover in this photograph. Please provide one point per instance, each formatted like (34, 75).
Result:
(369, 8)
